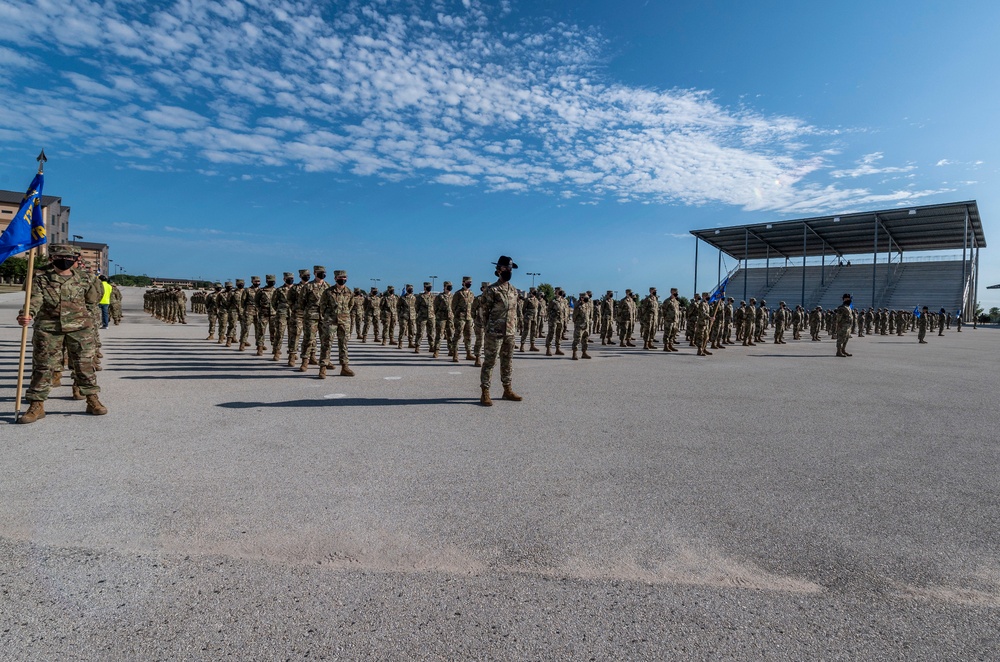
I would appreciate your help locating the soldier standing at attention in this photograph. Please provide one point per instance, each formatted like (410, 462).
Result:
(626, 319)
(581, 324)
(358, 312)
(703, 323)
(265, 311)
(336, 306)
(372, 310)
(425, 318)
(815, 321)
(780, 317)
(555, 324)
(607, 317)
(389, 315)
(211, 305)
(844, 314)
(310, 297)
(530, 321)
(59, 305)
(407, 313)
(281, 310)
(252, 313)
(445, 320)
(922, 320)
(477, 321)
(650, 309)
(671, 314)
(461, 306)
(222, 311)
(295, 315)
(499, 306)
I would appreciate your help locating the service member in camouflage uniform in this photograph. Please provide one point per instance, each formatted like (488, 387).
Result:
(844, 315)
(607, 317)
(555, 310)
(211, 305)
(282, 310)
(477, 321)
(461, 305)
(336, 308)
(252, 314)
(116, 304)
(390, 313)
(530, 328)
(296, 316)
(407, 312)
(265, 312)
(372, 311)
(582, 313)
(671, 310)
(60, 303)
(499, 306)
(445, 317)
(425, 319)
(311, 295)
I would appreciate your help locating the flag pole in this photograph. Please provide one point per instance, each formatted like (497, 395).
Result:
(24, 334)
(27, 307)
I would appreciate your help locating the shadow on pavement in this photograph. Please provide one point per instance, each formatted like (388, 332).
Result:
(352, 402)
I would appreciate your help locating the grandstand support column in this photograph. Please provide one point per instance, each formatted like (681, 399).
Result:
(718, 271)
(965, 273)
(805, 238)
(975, 278)
(822, 267)
(767, 266)
(696, 240)
(875, 260)
(746, 259)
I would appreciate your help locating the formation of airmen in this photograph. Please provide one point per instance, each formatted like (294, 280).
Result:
(167, 304)
(303, 318)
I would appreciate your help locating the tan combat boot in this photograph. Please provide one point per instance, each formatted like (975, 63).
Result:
(260, 351)
(454, 357)
(532, 348)
(478, 363)
(322, 372)
(521, 348)
(276, 356)
(435, 354)
(559, 352)
(211, 336)
(508, 394)
(575, 357)
(243, 346)
(56, 379)
(584, 355)
(291, 360)
(305, 365)
(484, 399)
(36, 410)
(345, 371)
(229, 342)
(95, 407)
(76, 393)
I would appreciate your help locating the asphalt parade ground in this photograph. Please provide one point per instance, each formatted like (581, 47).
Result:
(773, 502)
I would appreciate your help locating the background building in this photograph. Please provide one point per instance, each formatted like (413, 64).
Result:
(94, 254)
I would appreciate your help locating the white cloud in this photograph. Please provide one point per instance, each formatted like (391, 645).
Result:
(443, 96)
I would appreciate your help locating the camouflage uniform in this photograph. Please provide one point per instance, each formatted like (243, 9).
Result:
(530, 328)
(445, 317)
(671, 313)
(555, 311)
(844, 315)
(499, 306)
(265, 312)
(425, 318)
(310, 297)
(252, 314)
(626, 319)
(581, 324)
(390, 313)
(211, 303)
(477, 320)
(281, 309)
(607, 317)
(295, 315)
(337, 310)
(407, 313)
(60, 307)
(461, 306)
(372, 311)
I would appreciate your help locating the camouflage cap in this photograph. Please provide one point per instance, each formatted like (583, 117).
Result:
(447, 283)
(229, 283)
(781, 303)
(337, 273)
(483, 284)
(270, 277)
(240, 281)
(628, 291)
(468, 279)
(426, 284)
(304, 272)
(64, 250)
(391, 288)
(611, 292)
(288, 274)
(318, 267)
(218, 285)
(375, 289)
(254, 279)
(409, 285)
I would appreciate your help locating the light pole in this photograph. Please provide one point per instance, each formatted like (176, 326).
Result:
(532, 274)
(77, 236)
(375, 282)
(433, 280)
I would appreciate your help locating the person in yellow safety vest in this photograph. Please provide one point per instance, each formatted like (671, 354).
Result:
(105, 301)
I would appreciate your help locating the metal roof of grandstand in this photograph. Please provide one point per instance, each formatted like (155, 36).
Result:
(924, 228)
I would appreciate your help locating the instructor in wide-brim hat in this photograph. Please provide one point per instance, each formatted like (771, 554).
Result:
(499, 308)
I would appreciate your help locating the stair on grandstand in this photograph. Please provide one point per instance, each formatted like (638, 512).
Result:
(789, 288)
(759, 282)
(936, 285)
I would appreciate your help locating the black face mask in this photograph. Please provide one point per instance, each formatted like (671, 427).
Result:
(240, 286)
(409, 290)
(505, 275)
(466, 286)
(320, 275)
(448, 289)
(63, 263)
(341, 281)
(289, 281)
(270, 283)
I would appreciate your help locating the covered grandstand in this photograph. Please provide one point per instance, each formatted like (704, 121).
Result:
(881, 257)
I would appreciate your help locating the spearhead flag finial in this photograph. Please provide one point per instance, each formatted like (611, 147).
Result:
(41, 161)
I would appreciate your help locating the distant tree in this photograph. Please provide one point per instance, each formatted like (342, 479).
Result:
(683, 301)
(547, 291)
(128, 280)
(995, 315)
(15, 269)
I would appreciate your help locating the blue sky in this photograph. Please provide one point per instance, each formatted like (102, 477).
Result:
(403, 140)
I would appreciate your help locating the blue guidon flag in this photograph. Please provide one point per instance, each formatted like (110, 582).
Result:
(720, 291)
(27, 228)
(916, 311)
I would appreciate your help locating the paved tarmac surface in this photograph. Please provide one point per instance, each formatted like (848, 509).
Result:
(772, 502)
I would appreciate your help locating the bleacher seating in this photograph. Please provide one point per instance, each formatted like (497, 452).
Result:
(935, 284)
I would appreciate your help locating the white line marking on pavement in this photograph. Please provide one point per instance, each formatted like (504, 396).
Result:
(334, 396)
(454, 373)
(393, 377)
